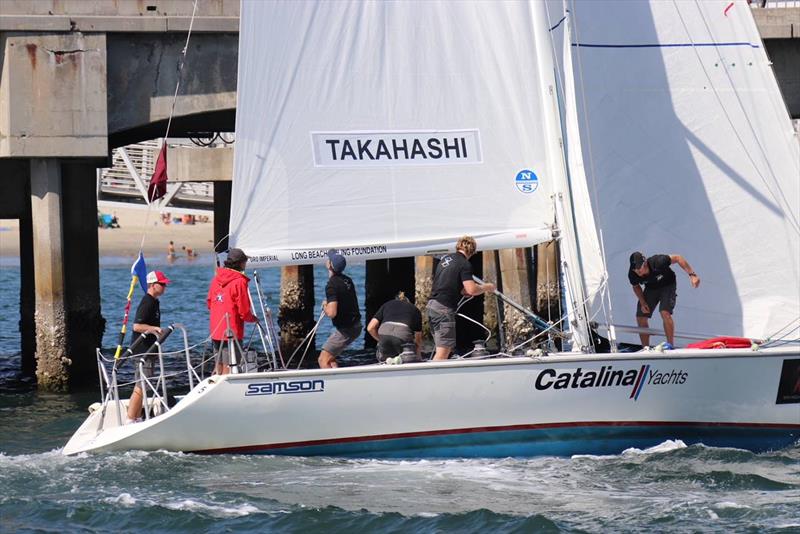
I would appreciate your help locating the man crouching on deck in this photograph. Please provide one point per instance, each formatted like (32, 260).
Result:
(660, 288)
(341, 305)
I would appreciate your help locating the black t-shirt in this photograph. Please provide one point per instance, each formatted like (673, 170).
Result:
(148, 312)
(400, 311)
(660, 275)
(453, 269)
(340, 289)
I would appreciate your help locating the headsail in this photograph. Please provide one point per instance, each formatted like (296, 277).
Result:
(692, 152)
(391, 128)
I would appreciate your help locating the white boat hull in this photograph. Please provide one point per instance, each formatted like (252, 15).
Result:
(489, 408)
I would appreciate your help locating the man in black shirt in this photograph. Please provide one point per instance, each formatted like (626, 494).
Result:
(453, 278)
(147, 324)
(660, 287)
(341, 305)
(396, 323)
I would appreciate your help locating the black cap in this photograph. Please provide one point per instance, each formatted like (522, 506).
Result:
(237, 255)
(637, 259)
(338, 263)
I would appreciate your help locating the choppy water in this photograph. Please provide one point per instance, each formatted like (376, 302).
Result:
(668, 488)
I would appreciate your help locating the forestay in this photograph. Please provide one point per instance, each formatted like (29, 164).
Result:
(691, 151)
(391, 128)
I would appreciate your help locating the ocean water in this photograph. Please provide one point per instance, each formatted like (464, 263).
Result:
(668, 488)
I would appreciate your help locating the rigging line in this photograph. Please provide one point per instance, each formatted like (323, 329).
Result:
(742, 144)
(181, 62)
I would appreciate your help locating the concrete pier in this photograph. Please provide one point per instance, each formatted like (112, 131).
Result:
(515, 265)
(548, 296)
(423, 282)
(297, 313)
(51, 320)
(492, 313)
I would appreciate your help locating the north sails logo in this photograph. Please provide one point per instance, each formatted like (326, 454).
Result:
(607, 376)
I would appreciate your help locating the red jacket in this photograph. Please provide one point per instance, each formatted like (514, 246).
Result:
(228, 294)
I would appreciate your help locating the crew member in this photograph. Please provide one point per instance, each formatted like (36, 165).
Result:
(341, 305)
(228, 302)
(396, 323)
(147, 323)
(660, 287)
(453, 278)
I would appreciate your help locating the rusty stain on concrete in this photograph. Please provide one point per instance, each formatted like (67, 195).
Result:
(32, 54)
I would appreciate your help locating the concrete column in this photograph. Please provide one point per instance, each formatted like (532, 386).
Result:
(85, 323)
(423, 281)
(514, 272)
(491, 319)
(297, 313)
(51, 326)
(548, 298)
(222, 214)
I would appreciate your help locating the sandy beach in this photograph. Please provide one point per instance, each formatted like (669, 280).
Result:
(125, 240)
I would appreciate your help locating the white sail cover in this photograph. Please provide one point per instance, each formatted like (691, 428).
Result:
(391, 128)
(692, 152)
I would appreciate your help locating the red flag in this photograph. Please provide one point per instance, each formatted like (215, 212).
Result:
(158, 183)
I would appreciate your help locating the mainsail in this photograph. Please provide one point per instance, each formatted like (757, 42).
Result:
(691, 151)
(365, 127)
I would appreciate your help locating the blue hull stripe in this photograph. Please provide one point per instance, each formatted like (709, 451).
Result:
(540, 441)
(661, 45)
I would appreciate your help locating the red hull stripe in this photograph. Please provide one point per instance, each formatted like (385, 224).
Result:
(405, 435)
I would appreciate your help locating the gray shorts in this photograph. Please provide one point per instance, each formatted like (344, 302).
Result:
(148, 366)
(221, 353)
(665, 297)
(341, 338)
(391, 338)
(443, 324)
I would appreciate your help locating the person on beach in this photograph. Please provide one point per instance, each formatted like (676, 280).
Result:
(228, 302)
(341, 305)
(660, 288)
(452, 279)
(171, 251)
(147, 324)
(396, 323)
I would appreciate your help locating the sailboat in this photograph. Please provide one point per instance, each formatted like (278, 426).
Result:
(388, 129)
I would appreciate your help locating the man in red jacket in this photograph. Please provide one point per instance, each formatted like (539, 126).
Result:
(229, 296)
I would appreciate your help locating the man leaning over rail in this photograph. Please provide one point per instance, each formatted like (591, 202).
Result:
(660, 287)
(147, 324)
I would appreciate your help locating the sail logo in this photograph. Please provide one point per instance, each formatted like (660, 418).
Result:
(396, 148)
(526, 181)
(607, 376)
(285, 387)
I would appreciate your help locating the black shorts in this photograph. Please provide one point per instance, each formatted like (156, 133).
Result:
(665, 297)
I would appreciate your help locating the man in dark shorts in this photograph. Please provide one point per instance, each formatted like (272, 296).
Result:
(341, 305)
(660, 287)
(396, 323)
(147, 324)
(453, 278)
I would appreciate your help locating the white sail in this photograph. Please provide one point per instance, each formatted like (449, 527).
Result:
(367, 128)
(692, 152)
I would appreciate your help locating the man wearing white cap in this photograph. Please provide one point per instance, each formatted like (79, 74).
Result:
(147, 324)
